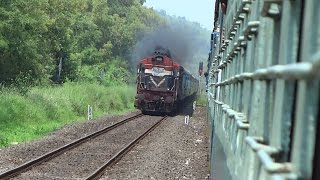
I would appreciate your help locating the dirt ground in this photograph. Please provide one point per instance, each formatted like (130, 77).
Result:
(175, 150)
(21, 153)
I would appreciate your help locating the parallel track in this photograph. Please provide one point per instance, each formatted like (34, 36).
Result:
(46, 157)
(100, 171)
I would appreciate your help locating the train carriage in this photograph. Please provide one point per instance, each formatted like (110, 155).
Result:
(264, 90)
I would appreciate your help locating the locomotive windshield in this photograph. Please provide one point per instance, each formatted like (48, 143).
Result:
(160, 83)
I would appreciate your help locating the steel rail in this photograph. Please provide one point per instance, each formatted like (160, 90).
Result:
(99, 172)
(28, 165)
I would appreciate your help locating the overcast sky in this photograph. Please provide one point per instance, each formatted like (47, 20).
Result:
(194, 10)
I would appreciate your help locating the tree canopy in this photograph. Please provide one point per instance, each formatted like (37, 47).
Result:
(58, 39)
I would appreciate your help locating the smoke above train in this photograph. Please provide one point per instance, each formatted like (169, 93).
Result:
(182, 39)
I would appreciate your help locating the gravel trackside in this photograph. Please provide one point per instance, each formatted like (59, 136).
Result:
(82, 160)
(18, 154)
(173, 151)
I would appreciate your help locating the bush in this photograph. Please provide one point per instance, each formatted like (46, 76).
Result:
(112, 73)
(44, 109)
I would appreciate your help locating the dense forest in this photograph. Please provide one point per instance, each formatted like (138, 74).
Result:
(56, 40)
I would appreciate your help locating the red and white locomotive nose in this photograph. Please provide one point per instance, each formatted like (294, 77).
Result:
(162, 84)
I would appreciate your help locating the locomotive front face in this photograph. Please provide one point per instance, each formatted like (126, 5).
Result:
(157, 84)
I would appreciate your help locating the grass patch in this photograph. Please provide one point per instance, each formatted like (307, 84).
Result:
(44, 109)
(202, 100)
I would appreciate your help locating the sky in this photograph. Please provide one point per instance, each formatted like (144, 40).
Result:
(194, 10)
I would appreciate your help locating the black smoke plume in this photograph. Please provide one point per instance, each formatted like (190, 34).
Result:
(182, 40)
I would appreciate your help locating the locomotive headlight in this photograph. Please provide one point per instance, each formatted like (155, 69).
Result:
(159, 58)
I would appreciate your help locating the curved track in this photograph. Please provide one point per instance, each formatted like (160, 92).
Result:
(45, 160)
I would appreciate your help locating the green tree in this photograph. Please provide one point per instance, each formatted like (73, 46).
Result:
(23, 25)
(64, 16)
(59, 39)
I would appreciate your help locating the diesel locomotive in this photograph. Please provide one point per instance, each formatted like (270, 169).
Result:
(163, 84)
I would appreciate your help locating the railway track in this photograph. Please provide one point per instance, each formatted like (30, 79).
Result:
(103, 147)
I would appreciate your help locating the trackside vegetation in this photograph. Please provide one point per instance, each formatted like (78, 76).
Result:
(201, 100)
(59, 40)
(44, 109)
